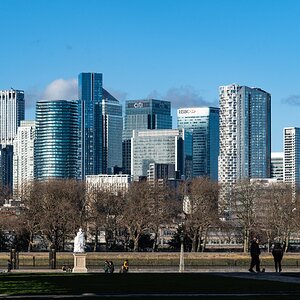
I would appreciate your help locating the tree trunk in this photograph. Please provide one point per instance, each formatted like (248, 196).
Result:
(205, 239)
(154, 247)
(246, 240)
(30, 242)
(194, 242)
(136, 244)
(287, 241)
(96, 240)
(199, 233)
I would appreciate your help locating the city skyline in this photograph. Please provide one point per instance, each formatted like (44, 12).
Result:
(145, 51)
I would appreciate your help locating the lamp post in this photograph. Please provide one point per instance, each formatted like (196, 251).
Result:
(181, 261)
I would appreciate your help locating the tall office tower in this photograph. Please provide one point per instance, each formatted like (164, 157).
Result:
(23, 158)
(277, 166)
(12, 111)
(156, 146)
(90, 117)
(6, 167)
(203, 123)
(245, 138)
(56, 144)
(112, 132)
(142, 115)
(291, 162)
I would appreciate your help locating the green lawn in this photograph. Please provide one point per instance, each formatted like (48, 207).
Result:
(143, 283)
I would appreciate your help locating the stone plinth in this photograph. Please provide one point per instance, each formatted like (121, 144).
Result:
(79, 263)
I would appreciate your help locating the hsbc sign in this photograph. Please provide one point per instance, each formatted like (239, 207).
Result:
(186, 111)
(193, 111)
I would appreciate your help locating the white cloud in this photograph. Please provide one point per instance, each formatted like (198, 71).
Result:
(61, 89)
(292, 100)
(184, 96)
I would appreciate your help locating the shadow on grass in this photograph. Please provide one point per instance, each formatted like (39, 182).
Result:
(143, 283)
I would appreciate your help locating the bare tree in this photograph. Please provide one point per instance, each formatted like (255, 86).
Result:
(280, 212)
(55, 209)
(245, 197)
(202, 198)
(162, 206)
(30, 217)
(104, 209)
(137, 211)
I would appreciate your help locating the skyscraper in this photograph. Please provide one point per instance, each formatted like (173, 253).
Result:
(90, 117)
(291, 161)
(112, 132)
(56, 144)
(141, 115)
(253, 133)
(157, 146)
(245, 137)
(203, 123)
(6, 167)
(12, 111)
(23, 159)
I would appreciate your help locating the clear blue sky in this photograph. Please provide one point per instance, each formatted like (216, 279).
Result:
(177, 49)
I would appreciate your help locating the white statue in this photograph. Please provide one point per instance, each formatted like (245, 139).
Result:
(79, 241)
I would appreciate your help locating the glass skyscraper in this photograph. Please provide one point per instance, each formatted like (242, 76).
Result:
(6, 167)
(203, 124)
(141, 115)
(112, 132)
(56, 143)
(245, 137)
(253, 133)
(12, 111)
(157, 146)
(90, 118)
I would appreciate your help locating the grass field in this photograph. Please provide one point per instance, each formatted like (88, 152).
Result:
(151, 286)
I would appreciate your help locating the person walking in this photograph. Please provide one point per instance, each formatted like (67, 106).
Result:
(277, 253)
(106, 266)
(254, 252)
(111, 267)
(9, 266)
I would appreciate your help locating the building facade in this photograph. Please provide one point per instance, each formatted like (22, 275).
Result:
(253, 133)
(110, 183)
(161, 172)
(112, 132)
(23, 157)
(156, 146)
(6, 167)
(143, 115)
(291, 161)
(277, 166)
(90, 117)
(203, 123)
(245, 138)
(12, 111)
(56, 144)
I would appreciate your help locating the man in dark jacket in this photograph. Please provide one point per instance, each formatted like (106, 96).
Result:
(254, 252)
(277, 253)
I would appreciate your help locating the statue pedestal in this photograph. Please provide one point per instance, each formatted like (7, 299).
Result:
(79, 263)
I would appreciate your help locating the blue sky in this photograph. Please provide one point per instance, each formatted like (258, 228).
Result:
(179, 50)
